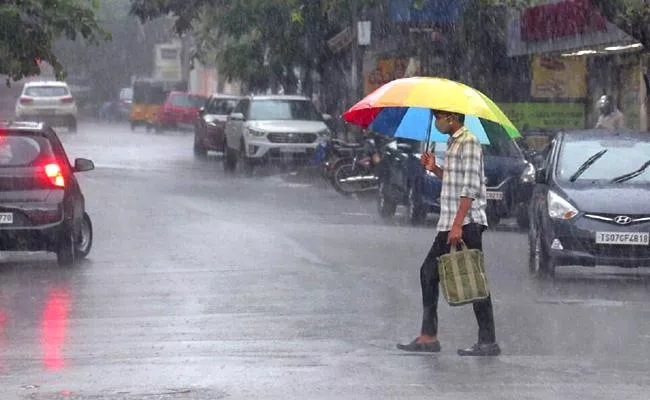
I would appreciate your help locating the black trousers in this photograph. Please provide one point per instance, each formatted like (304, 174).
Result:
(430, 279)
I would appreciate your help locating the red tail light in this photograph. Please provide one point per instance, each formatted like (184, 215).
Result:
(26, 100)
(54, 173)
(67, 100)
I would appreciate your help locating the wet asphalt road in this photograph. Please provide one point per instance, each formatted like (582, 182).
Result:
(204, 286)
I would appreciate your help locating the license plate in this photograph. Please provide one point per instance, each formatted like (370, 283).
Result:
(6, 218)
(629, 238)
(494, 195)
(293, 150)
(47, 112)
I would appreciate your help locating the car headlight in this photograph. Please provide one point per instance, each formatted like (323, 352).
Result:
(559, 208)
(528, 176)
(255, 133)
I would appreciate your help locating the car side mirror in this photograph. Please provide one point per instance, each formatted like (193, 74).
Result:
(236, 117)
(540, 176)
(82, 165)
(327, 117)
(202, 111)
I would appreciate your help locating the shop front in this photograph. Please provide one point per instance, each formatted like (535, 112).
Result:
(575, 57)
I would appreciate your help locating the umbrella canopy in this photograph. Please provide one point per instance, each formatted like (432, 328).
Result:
(403, 108)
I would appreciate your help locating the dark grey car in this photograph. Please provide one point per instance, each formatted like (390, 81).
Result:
(41, 204)
(590, 205)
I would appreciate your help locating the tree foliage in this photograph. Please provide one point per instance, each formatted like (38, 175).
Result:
(631, 16)
(29, 28)
(279, 37)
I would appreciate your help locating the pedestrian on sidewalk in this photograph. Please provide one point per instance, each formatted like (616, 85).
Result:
(462, 218)
(610, 118)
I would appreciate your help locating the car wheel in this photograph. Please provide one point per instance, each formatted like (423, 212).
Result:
(84, 240)
(199, 150)
(72, 125)
(415, 211)
(540, 264)
(246, 163)
(229, 159)
(65, 251)
(522, 217)
(385, 205)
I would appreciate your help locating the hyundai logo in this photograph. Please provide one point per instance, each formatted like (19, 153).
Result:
(623, 220)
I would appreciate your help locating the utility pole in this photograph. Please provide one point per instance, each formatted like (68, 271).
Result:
(357, 58)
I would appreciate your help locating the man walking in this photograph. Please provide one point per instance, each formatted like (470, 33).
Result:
(462, 218)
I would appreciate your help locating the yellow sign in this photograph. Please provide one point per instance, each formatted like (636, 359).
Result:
(533, 116)
(559, 78)
(387, 69)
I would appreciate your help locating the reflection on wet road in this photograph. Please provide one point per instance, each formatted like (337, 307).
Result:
(203, 286)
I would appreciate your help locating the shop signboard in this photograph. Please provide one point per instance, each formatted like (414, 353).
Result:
(341, 40)
(546, 116)
(560, 26)
(387, 70)
(167, 61)
(559, 77)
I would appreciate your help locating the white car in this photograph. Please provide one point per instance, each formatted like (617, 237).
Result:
(272, 128)
(49, 102)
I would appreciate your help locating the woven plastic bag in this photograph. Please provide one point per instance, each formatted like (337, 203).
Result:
(462, 276)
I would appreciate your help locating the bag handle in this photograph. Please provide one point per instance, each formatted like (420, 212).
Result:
(463, 247)
(473, 289)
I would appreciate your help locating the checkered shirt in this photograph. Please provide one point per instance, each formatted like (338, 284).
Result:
(463, 177)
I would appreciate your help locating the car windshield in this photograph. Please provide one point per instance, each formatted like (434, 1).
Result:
(623, 156)
(46, 91)
(22, 151)
(223, 106)
(302, 110)
(188, 101)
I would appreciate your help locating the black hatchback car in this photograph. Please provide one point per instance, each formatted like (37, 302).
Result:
(41, 204)
(592, 202)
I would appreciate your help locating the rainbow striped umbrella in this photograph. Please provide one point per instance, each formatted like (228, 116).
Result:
(403, 108)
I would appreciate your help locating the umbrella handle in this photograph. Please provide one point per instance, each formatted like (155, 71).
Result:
(428, 136)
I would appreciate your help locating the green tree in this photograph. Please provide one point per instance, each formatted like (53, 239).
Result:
(29, 28)
(631, 16)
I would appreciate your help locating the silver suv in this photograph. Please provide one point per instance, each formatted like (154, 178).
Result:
(273, 128)
(50, 102)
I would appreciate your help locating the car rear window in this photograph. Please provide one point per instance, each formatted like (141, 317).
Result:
(46, 91)
(188, 101)
(23, 150)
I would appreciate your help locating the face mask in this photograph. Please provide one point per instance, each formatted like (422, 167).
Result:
(443, 125)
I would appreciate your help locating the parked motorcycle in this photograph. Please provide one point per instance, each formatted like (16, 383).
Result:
(357, 174)
(334, 152)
